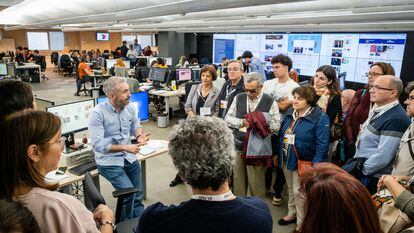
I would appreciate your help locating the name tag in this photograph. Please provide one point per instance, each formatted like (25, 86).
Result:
(223, 104)
(243, 129)
(205, 111)
(289, 139)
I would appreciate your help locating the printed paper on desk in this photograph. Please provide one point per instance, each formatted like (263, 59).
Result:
(145, 150)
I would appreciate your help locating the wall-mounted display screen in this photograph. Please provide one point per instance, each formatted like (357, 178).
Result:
(350, 53)
(102, 36)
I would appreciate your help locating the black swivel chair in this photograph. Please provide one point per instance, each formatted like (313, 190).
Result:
(84, 89)
(41, 60)
(96, 199)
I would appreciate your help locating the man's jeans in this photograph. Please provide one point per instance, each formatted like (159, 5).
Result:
(126, 177)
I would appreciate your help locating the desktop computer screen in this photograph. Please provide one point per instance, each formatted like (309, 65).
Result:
(3, 69)
(110, 63)
(168, 61)
(157, 74)
(196, 74)
(183, 74)
(11, 69)
(74, 116)
(139, 100)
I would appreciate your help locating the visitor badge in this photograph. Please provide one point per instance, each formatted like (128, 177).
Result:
(289, 139)
(205, 111)
(223, 104)
(243, 129)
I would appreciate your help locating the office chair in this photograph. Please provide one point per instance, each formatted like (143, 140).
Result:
(42, 63)
(96, 199)
(66, 65)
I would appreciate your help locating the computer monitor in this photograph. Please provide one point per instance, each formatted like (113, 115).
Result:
(127, 64)
(138, 99)
(110, 63)
(183, 75)
(3, 69)
(196, 74)
(11, 69)
(157, 74)
(74, 116)
(168, 61)
(42, 104)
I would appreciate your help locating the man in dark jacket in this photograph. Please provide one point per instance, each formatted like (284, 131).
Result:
(231, 88)
(124, 49)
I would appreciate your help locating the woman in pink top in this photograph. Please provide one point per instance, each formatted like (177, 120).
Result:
(30, 147)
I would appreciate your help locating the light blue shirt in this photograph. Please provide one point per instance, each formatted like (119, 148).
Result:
(108, 127)
(138, 48)
(256, 66)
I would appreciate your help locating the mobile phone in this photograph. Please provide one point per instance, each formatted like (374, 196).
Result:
(61, 171)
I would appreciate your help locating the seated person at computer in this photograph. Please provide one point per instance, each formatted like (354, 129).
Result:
(141, 71)
(213, 207)
(154, 63)
(132, 54)
(84, 74)
(15, 96)
(30, 146)
(161, 63)
(30, 56)
(111, 125)
(194, 61)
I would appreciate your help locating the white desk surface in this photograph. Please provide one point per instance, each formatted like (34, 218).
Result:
(72, 178)
(29, 65)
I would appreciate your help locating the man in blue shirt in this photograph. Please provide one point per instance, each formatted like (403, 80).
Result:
(254, 64)
(110, 126)
(137, 47)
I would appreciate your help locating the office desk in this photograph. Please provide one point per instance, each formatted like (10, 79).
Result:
(31, 66)
(66, 184)
(142, 159)
(98, 74)
(167, 95)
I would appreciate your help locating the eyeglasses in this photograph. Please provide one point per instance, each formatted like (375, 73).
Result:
(233, 69)
(382, 88)
(373, 74)
(59, 142)
(411, 97)
(251, 91)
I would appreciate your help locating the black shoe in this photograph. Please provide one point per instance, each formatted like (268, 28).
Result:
(77, 94)
(283, 222)
(175, 182)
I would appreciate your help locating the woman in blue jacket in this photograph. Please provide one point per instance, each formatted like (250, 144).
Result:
(306, 127)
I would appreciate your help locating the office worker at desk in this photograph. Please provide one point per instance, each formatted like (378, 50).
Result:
(212, 208)
(110, 126)
(84, 74)
(30, 147)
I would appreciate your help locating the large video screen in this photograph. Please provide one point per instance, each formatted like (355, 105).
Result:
(350, 53)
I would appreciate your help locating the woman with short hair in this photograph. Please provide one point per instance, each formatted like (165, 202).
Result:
(304, 134)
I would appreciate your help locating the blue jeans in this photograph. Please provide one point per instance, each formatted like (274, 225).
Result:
(126, 177)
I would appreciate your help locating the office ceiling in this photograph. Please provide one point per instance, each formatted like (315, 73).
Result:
(209, 15)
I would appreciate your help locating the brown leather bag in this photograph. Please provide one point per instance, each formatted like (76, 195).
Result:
(303, 166)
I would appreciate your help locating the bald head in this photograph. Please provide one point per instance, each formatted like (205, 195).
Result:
(346, 98)
(385, 89)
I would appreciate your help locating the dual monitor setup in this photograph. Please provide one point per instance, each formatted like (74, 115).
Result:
(75, 115)
(111, 62)
(166, 75)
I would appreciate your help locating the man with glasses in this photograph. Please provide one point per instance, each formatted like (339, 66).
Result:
(381, 133)
(249, 173)
(231, 88)
(404, 161)
(280, 89)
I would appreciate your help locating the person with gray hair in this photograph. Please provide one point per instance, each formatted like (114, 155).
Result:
(252, 109)
(202, 150)
(110, 127)
(381, 133)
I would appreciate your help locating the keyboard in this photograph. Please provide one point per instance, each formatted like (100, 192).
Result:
(83, 168)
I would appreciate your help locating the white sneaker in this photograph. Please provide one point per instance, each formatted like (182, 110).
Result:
(277, 201)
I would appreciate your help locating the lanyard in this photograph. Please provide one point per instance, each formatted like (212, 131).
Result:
(221, 197)
(231, 92)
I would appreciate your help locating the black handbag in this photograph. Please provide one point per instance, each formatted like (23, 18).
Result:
(354, 166)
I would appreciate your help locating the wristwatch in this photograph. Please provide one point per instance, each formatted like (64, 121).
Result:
(108, 222)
